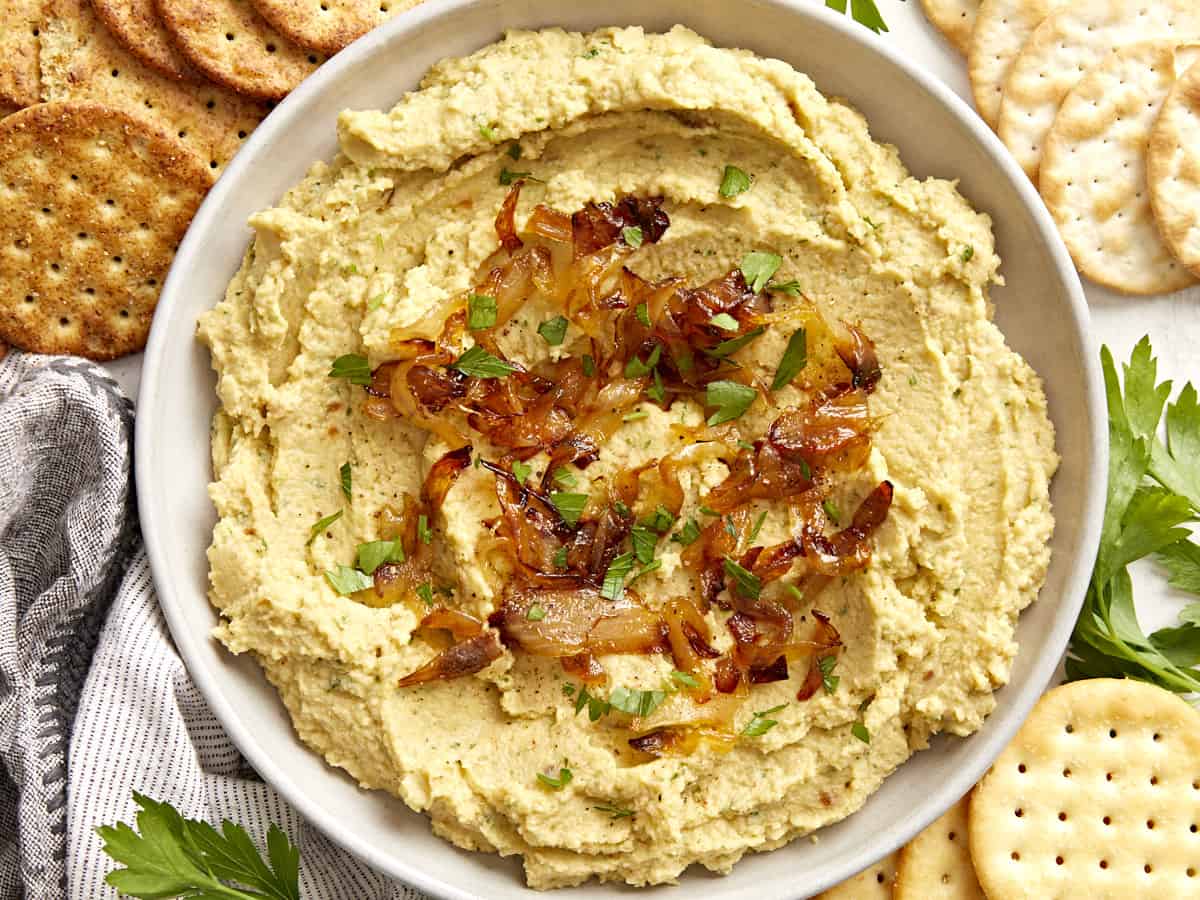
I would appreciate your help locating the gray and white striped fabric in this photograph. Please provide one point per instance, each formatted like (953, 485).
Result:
(94, 700)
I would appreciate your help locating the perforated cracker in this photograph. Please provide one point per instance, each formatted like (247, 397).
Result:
(1072, 40)
(233, 45)
(328, 25)
(872, 883)
(1173, 169)
(1093, 171)
(1001, 29)
(955, 19)
(1097, 796)
(92, 205)
(136, 26)
(936, 864)
(81, 61)
(20, 83)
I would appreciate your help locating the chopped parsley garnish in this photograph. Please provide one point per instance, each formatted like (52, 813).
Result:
(514, 151)
(745, 445)
(761, 722)
(758, 524)
(481, 364)
(615, 812)
(793, 361)
(791, 288)
(635, 702)
(560, 558)
(642, 311)
(589, 365)
(653, 566)
(321, 525)
(488, 132)
(864, 12)
(634, 416)
(374, 554)
(346, 580)
(828, 679)
(688, 534)
(758, 267)
(745, 582)
(563, 476)
(536, 613)
(351, 269)
(632, 235)
(724, 321)
(685, 678)
(730, 398)
(622, 509)
(831, 510)
(635, 368)
(656, 391)
(346, 476)
(795, 592)
(733, 345)
(481, 311)
(352, 367)
(375, 302)
(507, 176)
(859, 730)
(644, 542)
(595, 706)
(557, 784)
(569, 505)
(660, 520)
(521, 471)
(968, 253)
(424, 533)
(425, 592)
(733, 182)
(614, 577)
(553, 331)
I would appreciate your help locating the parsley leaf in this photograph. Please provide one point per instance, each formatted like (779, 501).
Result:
(521, 471)
(425, 592)
(685, 678)
(733, 182)
(352, 367)
(563, 476)
(632, 235)
(831, 510)
(730, 398)
(487, 131)
(635, 702)
(560, 558)
(758, 524)
(731, 346)
(744, 581)
(859, 730)
(758, 267)
(968, 253)
(761, 722)
(535, 613)
(688, 534)
(1182, 560)
(615, 812)
(481, 364)
(557, 784)
(635, 368)
(174, 857)
(642, 311)
(656, 391)
(791, 288)
(569, 505)
(660, 520)
(345, 475)
(553, 331)
(346, 580)
(793, 361)
(424, 532)
(514, 151)
(374, 554)
(828, 679)
(644, 543)
(595, 706)
(724, 321)
(321, 525)
(589, 365)
(614, 577)
(481, 311)
(507, 176)
(864, 12)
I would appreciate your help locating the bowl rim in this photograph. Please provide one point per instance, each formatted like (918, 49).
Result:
(276, 124)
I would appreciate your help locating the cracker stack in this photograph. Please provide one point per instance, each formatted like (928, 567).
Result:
(1078, 91)
(1096, 798)
(141, 103)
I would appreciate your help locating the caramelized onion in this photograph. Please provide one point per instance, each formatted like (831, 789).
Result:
(464, 658)
(834, 431)
(506, 228)
(575, 621)
(824, 637)
(457, 623)
(848, 550)
(599, 225)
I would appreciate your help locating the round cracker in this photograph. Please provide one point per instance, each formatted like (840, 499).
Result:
(94, 202)
(1173, 169)
(1093, 171)
(1070, 41)
(327, 26)
(872, 883)
(936, 864)
(81, 61)
(1097, 796)
(955, 19)
(1001, 29)
(233, 45)
(136, 26)
(20, 81)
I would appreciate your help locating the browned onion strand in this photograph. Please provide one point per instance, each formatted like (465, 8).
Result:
(464, 658)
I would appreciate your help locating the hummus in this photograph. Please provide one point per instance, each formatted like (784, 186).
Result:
(379, 245)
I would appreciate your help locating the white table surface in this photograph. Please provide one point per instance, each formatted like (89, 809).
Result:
(1172, 321)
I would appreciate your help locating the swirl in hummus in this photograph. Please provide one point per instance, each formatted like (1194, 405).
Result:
(617, 459)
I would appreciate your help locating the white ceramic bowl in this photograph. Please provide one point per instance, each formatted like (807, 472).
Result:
(1041, 311)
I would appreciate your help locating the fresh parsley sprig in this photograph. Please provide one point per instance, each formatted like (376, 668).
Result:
(177, 857)
(1153, 491)
(864, 12)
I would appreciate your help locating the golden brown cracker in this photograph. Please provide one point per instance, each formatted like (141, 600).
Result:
(1173, 169)
(233, 45)
(1001, 29)
(1097, 796)
(936, 864)
(872, 883)
(955, 19)
(137, 28)
(81, 61)
(20, 82)
(328, 25)
(1093, 171)
(93, 202)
